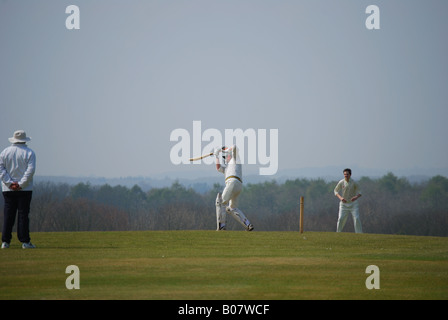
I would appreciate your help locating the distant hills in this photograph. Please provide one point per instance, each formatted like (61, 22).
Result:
(203, 180)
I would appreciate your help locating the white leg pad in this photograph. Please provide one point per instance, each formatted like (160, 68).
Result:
(239, 216)
(220, 214)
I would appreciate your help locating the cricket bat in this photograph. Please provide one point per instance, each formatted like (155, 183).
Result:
(202, 157)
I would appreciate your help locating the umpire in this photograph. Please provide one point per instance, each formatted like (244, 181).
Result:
(17, 167)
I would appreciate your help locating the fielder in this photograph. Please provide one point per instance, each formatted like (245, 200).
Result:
(227, 202)
(348, 204)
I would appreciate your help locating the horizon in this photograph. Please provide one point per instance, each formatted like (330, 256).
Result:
(201, 180)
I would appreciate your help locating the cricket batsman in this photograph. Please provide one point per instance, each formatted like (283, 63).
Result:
(227, 202)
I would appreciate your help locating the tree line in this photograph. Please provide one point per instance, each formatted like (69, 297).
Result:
(389, 205)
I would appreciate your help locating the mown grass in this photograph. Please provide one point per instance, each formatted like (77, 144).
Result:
(225, 265)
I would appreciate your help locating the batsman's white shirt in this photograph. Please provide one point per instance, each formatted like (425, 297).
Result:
(233, 173)
(232, 170)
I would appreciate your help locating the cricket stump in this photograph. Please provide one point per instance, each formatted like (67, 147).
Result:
(301, 215)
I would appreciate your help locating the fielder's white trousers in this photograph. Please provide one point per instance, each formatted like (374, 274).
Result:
(344, 210)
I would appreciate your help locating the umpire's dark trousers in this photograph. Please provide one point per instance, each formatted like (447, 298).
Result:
(16, 202)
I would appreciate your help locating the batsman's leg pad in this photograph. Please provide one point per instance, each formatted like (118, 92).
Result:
(220, 213)
(239, 216)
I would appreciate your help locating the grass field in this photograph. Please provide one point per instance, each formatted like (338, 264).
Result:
(225, 265)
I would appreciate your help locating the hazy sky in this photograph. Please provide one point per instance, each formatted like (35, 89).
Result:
(104, 99)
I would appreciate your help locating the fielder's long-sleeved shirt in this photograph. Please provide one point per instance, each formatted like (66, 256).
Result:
(17, 163)
(349, 189)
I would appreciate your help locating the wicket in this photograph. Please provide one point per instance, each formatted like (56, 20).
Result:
(301, 215)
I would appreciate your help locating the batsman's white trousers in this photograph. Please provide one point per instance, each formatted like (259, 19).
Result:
(230, 197)
(344, 210)
(231, 192)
